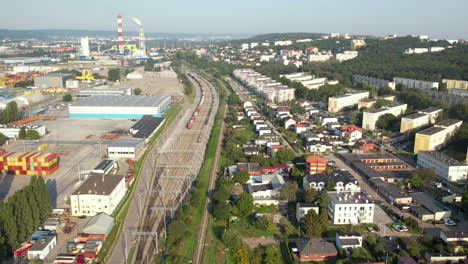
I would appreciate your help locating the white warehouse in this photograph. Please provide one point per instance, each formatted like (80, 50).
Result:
(125, 106)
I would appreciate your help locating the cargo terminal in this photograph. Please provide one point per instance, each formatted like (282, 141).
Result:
(126, 106)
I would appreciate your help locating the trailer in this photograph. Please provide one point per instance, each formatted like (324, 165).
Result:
(22, 249)
(65, 259)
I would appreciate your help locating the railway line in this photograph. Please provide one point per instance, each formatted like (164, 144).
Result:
(174, 166)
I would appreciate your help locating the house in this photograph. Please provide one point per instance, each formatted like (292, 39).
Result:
(265, 188)
(100, 224)
(316, 164)
(343, 180)
(273, 149)
(289, 122)
(304, 103)
(282, 110)
(453, 236)
(406, 260)
(299, 128)
(332, 125)
(348, 240)
(318, 147)
(315, 249)
(367, 147)
(303, 208)
(247, 104)
(251, 151)
(444, 257)
(42, 247)
(100, 193)
(351, 132)
(264, 131)
(350, 208)
(251, 168)
(260, 126)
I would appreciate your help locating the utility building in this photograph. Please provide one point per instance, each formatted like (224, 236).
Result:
(53, 80)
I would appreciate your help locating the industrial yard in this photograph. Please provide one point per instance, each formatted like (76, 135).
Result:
(154, 84)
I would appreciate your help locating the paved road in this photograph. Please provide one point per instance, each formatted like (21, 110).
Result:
(241, 91)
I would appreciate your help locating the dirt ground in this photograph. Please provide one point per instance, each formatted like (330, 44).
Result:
(153, 84)
(254, 242)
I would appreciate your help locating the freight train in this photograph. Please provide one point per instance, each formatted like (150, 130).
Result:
(197, 110)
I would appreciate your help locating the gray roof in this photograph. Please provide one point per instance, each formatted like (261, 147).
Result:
(126, 142)
(122, 100)
(430, 110)
(447, 123)
(41, 243)
(431, 131)
(100, 224)
(315, 246)
(349, 198)
(99, 184)
(394, 191)
(442, 157)
(428, 202)
(57, 74)
(414, 116)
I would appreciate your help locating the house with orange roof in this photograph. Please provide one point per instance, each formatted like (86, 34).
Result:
(316, 164)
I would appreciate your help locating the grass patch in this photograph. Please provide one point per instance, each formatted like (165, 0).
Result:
(245, 227)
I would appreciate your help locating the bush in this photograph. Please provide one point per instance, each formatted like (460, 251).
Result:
(32, 134)
(137, 91)
(67, 97)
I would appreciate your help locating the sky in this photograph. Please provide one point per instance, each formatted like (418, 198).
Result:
(438, 19)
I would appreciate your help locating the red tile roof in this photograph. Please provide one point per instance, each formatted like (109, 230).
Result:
(315, 159)
(351, 128)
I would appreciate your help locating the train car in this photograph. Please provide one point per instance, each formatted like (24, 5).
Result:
(190, 124)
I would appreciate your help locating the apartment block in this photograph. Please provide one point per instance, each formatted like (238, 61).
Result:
(347, 55)
(446, 168)
(370, 117)
(437, 136)
(337, 103)
(374, 81)
(350, 208)
(319, 57)
(357, 43)
(420, 119)
(415, 84)
(455, 84)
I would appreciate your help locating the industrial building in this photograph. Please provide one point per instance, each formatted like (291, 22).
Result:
(146, 127)
(104, 90)
(24, 60)
(338, 103)
(53, 80)
(100, 224)
(370, 117)
(42, 247)
(12, 131)
(126, 106)
(420, 119)
(28, 163)
(437, 136)
(100, 193)
(428, 208)
(24, 100)
(446, 168)
(105, 166)
(125, 148)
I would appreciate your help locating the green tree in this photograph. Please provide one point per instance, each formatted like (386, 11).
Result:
(244, 205)
(388, 122)
(221, 211)
(222, 193)
(285, 154)
(296, 172)
(311, 224)
(22, 133)
(113, 74)
(331, 185)
(415, 180)
(427, 174)
(241, 176)
(323, 199)
(231, 239)
(32, 134)
(272, 255)
(2, 139)
(265, 223)
(288, 191)
(149, 65)
(137, 91)
(311, 195)
(381, 102)
(67, 97)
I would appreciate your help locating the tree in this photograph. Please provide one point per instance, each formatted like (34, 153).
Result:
(244, 205)
(241, 176)
(149, 65)
(427, 174)
(285, 154)
(113, 74)
(415, 180)
(221, 211)
(265, 223)
(22, 133)
(311, 224)
(231, 239)
(381, 102)
(2, 139)
(32, 134)
(137, 91)
(388, 122)
(288, 191)
(222, 193)
(310, 195)
(331, 185)
(323, 199)
(241, 256)
(296, 172)
(272, 255)
(67, 97)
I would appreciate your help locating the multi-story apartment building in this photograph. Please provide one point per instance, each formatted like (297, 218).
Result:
(415, 84)
(374, 81)
(337, 103)
(283, 43)
(316, 164)
(370, 117)
(264, 86)
(446, 168)
(347, 55)
(421, 118)
(100, 193)
(350, 208)
(357, 43)
(319, 57)
(455, 84)
(437, 136)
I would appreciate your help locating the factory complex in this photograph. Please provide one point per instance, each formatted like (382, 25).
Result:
(126, 106)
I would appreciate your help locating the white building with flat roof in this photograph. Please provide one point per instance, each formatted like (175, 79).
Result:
(347, 55)
(446, 168)
(415, 84)
(350, 208)
(374, 81)
(370, 117)
(337, 103)
(264, 86)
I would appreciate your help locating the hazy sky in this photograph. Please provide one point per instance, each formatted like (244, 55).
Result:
(375, 17)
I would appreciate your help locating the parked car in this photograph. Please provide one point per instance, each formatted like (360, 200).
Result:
(400, 228)
(449, 222)
(371, 229)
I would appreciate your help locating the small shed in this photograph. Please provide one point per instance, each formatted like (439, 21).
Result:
(100, 224)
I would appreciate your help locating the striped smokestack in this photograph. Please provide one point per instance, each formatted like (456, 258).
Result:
(142, 38)
(120, 34)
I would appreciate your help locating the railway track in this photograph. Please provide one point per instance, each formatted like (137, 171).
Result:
(174, 169)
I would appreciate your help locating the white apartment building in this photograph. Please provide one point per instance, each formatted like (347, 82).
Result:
(264, 86)
(415, 84)
(303, 208)
(267, 58)
(100, 193)
(12, 131)
(416, 50)
(350, 208)
(445, 167)
(421, 118)
(337, 103)
(347, 55)
(253, 45)
(265, 188)
(283, 43)
(374, 81)
(319, 57)
(370, 117)
(245, 46)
